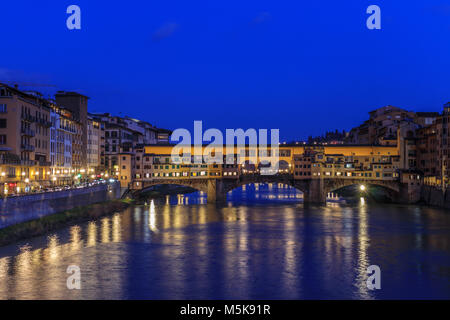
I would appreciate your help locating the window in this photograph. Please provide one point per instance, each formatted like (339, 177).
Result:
(3, 108)
(2, 139)
(2, 123)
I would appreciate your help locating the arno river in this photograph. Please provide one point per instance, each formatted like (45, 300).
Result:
(262, 244)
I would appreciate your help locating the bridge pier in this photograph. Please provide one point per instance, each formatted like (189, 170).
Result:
(409, 194)
(315, 193)
(216, 191)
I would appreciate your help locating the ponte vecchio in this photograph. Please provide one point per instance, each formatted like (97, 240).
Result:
(315, 170)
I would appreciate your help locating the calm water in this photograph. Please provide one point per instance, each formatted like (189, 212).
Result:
(262, 245)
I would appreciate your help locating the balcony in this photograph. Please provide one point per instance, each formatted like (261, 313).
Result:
(67, 129)
(44, 163)
(44, 122)
(27, 147)
(18, 162)
(28, 132)
(28, 117)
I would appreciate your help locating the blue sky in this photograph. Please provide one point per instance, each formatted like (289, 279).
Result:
(302, 67)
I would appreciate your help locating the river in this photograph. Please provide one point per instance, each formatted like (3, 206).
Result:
(261, 244)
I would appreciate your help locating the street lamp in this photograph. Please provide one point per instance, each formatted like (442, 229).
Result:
(362, 187)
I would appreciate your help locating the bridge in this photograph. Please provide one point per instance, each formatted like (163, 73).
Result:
(314, 190)
(315, 171)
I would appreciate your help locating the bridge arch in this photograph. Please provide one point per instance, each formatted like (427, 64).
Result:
(391, 187)
(197, 185)
(252, 179)
(239, 185)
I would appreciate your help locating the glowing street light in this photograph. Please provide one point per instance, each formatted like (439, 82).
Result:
(362, 187)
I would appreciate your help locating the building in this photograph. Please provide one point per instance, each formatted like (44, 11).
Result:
(382, 126)
(24, 139)
(317, 162)
(78, 105)
(443, 146)
(95, 146)
(62, 133)
(124, 135)
(163, 136)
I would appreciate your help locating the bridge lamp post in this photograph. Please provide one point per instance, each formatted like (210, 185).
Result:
(362, 187)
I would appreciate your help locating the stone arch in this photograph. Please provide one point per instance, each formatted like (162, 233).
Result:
(197, 185)
(283, 166)
(231, 185)
(332, 185)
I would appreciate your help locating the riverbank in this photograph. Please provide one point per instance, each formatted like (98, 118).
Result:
(36, 206)
(39, 227)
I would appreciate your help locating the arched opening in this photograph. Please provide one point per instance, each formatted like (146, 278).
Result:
(170, 193)
(283, 167)
(249, 168)
(369, 192)
(264, 192)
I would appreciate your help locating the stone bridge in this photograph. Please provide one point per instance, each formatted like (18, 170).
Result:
(314, 190)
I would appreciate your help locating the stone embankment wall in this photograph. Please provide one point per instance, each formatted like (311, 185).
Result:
(24, 208)
(435, 197)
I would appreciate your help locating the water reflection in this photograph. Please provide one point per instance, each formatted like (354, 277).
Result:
(182, 249)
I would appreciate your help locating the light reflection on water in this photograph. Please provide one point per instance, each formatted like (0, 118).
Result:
(263, 244)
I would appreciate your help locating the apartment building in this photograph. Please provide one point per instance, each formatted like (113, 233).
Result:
(124, 135)
(24, 124)
(24, 139)
(78, 105)
(315, 163)
(163, 136)
(62, 132)
(443, 145)
(433, 149)
(95, 146)
(382, 126)
(147, 132)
